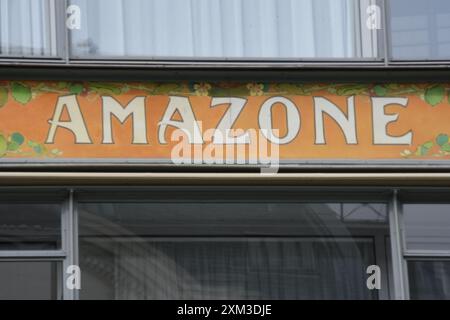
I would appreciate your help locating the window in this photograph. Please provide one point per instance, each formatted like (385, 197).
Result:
(30, 226)
(28, 28)
(30, 280)
(325, 31)
(223, 29)
(427, 226)
(420, 30)
(427, 252)
(230, 242)
(429, 279)
(230, 246)
(32, 246)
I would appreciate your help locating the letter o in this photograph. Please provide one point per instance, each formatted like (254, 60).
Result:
(292, 119)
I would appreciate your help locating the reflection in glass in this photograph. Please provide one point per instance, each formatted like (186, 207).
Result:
(224, 29)
(427, 226)
(227, 250)
(29, 280)
(30, 226)
(429, 279)
(420, 29)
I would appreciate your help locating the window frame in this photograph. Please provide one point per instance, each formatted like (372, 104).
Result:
(393, 197)
(418, 197)
(303, 195)
(60, 32)
(388, 43)
(65, 58)
(58, 255)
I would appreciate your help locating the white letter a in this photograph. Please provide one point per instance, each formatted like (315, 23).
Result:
(76, 123)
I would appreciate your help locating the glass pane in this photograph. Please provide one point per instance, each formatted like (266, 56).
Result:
(27, 28)
(429, 279)
(420, 29)
(427, 226)
(229, 250)
(30, 226)
(29, 280)
(222, 29)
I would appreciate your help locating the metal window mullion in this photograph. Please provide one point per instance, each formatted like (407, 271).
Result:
(398, 262)
(409, 254)
(401, 228)
(32, 254)
(63, 32)
(386, 37)
(68, 243)
(75, 238)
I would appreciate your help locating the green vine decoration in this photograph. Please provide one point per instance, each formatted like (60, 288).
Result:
(25, 91)
(16, 143)
(440, 147)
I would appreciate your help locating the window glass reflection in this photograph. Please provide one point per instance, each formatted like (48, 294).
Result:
(427, 226)
(420, 29)
(30, 280)
(233, 249)
(429, 280)
(30, 226)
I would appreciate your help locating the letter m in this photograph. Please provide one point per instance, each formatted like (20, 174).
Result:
(135, 108)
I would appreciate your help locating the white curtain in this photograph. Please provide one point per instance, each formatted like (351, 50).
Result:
(28, 28)
(224, 29)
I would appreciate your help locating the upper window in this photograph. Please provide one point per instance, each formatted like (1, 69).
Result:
(427, 226)
(240, 29)
(30, 225)
(225, 30)
(28, 28)
(420, 30)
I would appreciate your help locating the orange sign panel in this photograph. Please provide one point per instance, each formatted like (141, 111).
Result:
(42, 121)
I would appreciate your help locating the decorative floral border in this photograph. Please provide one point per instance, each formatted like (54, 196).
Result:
(439, 147)
(16, 143)
(23, 91)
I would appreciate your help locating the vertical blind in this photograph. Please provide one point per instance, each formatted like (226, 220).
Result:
(224, 29)
(28, 28)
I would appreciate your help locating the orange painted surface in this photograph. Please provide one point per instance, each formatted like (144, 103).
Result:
(30, 119)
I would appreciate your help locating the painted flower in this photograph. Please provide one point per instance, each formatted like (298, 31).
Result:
(256, 89)
(202, 88)
(406, 153)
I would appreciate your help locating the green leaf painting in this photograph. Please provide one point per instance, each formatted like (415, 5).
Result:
(16, 143)
(442, 139)
(76, 88)
(3, 145)
(3, 96)
(434, 95)
(380, 90)
(24, 91)
(21, 93)
(440, 147)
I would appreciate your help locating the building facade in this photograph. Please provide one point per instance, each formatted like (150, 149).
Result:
(224, 149)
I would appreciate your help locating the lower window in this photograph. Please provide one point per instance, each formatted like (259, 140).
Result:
(429, 279)
(233, 248)
(30, 280)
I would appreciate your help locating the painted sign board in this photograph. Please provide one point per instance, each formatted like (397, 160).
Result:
(71, 121)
